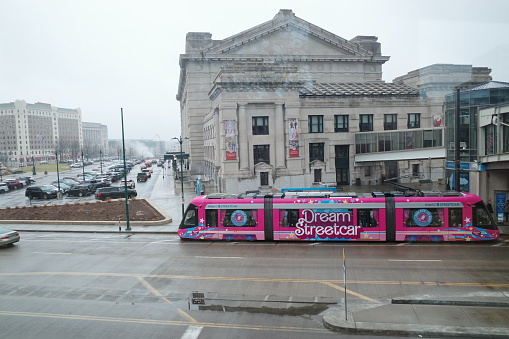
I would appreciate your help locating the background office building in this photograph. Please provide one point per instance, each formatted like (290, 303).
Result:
(36, 130)
(95, 139)
(484, 141)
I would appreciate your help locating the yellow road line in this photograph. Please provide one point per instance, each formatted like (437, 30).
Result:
(158, 294)
(165, 322)
(190, 277)
(368, 282)
(352, 293)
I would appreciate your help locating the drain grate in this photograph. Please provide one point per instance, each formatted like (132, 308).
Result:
(198, 298)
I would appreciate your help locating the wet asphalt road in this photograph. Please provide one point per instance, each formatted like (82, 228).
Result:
(62, 285)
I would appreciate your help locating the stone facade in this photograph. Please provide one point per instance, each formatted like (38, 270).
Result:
(95, 138)
(288, 104)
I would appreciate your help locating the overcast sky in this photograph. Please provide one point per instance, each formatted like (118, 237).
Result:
(103, 55)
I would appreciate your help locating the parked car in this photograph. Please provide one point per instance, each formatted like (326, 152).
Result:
(103, 181)
(105, 193)
(92, 184)
(13, 184)
(63, 186)
(73, 181)
(75, 165)
(3, 187)
(41, 192)
(79, 190)
(115, 176)
(26, 180)
(130, 183)
(68, 182)
(8, 237)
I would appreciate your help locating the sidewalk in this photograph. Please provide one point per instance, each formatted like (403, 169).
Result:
(476, 317)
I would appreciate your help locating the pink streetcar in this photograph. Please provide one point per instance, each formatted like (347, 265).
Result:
(325, 216)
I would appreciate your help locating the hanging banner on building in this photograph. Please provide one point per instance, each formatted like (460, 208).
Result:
(230, 134)
(293, 136)
(500, 199)
(437, 121)
(409, 139)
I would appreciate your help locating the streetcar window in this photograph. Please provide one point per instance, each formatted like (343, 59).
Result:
(238, 218)
(190, 218)
(455, 217)
(211, 218)
(290, 218)
(481, 217)
(423, 217)
(367, 218)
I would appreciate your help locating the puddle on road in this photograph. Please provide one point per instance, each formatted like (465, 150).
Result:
(314, 309)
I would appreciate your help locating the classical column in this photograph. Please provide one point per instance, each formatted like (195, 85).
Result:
(243, 144)
(279, 140)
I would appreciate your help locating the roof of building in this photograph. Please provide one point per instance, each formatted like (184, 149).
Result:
(488, 85)
(365, 89)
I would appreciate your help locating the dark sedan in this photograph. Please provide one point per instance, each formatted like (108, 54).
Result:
(41, 192)
(106, 193)
(79, 191)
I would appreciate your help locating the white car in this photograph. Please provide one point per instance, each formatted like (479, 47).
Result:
(8, 237)
(130, 183)
(3, 187)
(75, 165)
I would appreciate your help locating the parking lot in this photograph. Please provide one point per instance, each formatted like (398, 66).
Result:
(15, 197)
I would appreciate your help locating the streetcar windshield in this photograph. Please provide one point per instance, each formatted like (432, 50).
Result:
(190, 217)
(482, 218)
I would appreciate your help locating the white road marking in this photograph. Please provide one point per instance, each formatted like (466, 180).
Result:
(93, 241)
(192, 332)
(164, 241)
(409, 260)
(49, 253)
(205, 257)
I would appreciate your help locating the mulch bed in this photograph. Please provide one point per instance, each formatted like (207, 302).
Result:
(112, 210)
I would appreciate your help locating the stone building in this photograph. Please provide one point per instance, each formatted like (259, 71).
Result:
(288, 104)
(95, 138)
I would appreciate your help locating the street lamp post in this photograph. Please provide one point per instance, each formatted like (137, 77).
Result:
(58, 173)
(128, 226)
(33, 166)
(180, 140)
(83, 165)
(101, 159)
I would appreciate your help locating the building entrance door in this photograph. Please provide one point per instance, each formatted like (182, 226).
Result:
(342, 162)
(391, 169)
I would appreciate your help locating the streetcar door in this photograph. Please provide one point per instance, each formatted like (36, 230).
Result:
(371, 225)
(390, 219)
(268, 210)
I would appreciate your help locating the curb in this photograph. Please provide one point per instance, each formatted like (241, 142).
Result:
(167, 219)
